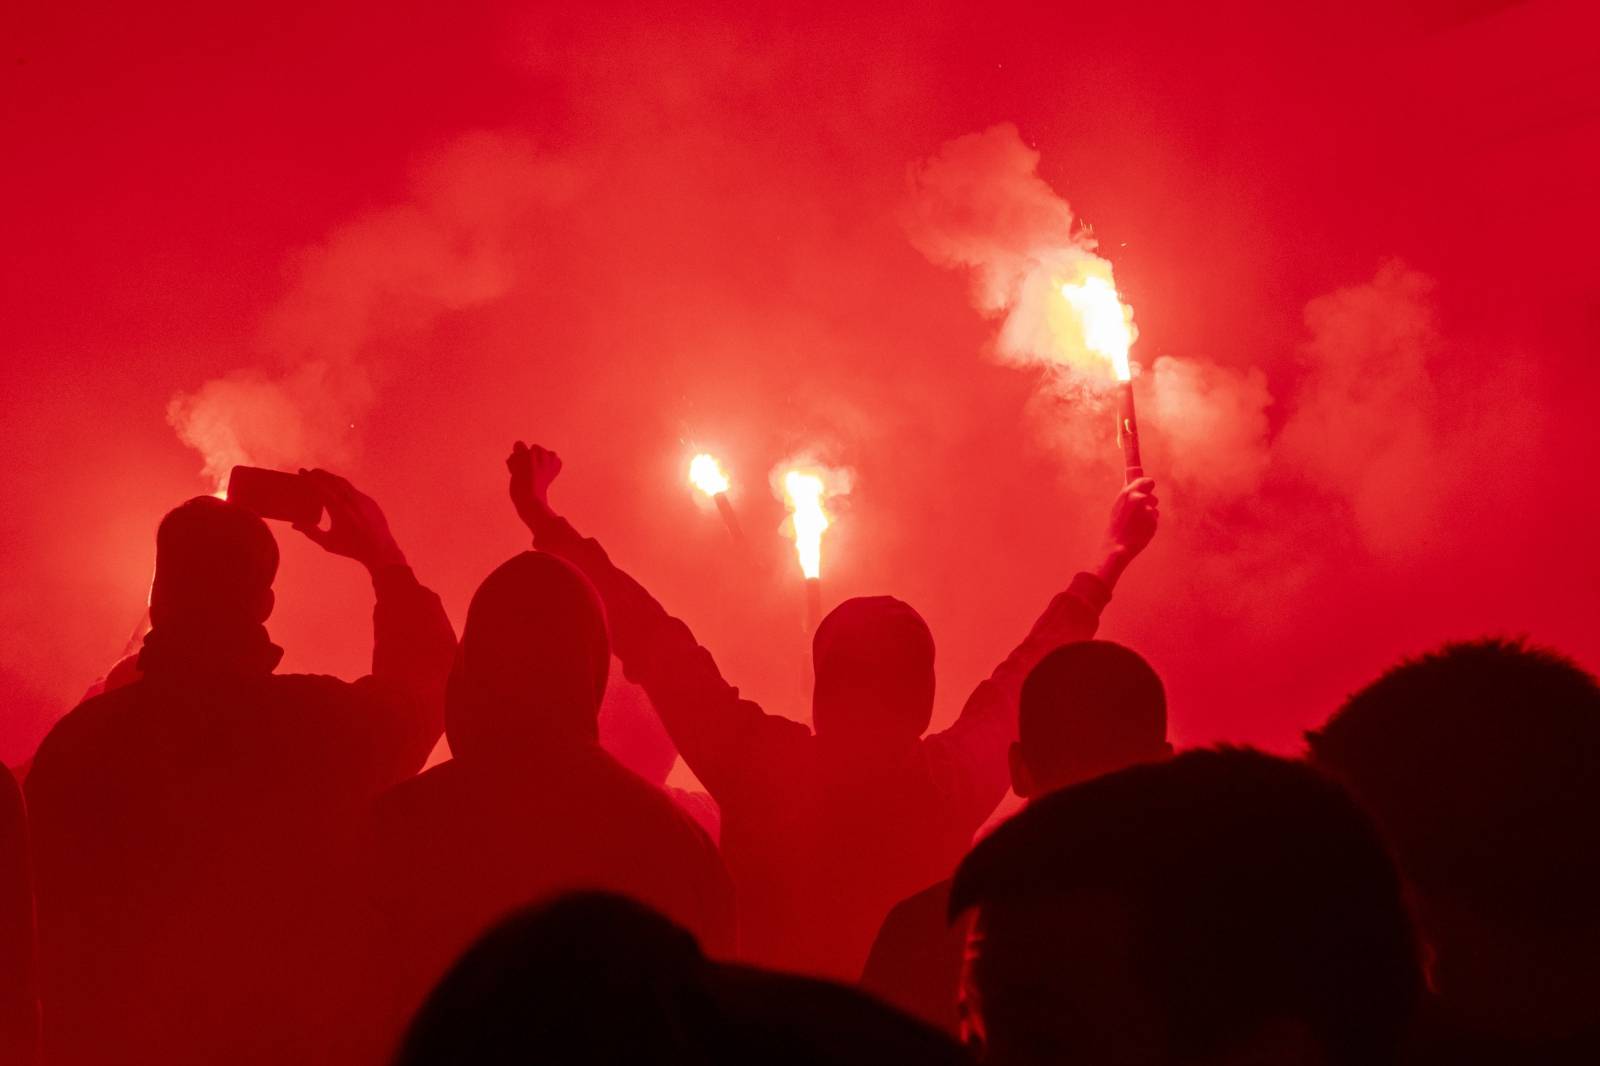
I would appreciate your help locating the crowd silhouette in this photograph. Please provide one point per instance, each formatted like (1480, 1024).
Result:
(210, 862)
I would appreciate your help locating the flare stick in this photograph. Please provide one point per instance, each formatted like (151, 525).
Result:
(1128, 433)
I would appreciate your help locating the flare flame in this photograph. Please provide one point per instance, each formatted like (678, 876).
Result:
(804, 494)
(1105, 321)
(707, 475)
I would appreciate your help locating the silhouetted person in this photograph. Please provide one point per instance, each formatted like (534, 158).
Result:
(1087, 709)
(591, 979)
(1223, 907)
(1481, 763)
(824, 831)
(19, 990)
(193, 829)
(529, 805)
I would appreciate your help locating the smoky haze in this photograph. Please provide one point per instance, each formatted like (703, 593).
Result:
(395, 240)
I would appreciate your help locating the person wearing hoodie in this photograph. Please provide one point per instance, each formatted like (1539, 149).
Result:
(824, 831)
(529, 805)
(192, 829)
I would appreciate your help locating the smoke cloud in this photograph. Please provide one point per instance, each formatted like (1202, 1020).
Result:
(625, 234)
(1364, 419)
(980, 204)
(379, 281)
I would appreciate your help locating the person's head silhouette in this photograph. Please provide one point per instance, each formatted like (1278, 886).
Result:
(1087, 709)
(873, 662)
(1479, 763)
(215, 562)
(599, 978)
(532, 663)
(1223, 906)
(594, 976)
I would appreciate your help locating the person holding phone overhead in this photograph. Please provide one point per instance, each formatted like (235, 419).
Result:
(192, 829)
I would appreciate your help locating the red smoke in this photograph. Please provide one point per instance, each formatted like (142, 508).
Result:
(1360, 244)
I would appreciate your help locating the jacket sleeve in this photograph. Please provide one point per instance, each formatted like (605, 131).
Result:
(19, 1002)
(725, 739)
(402, 700)
(968, 760)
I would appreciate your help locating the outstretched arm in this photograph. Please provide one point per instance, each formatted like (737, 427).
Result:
(400, 705)
(971, 754)
(725, 739)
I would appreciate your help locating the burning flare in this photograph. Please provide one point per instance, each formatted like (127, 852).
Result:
(804, 494)
(706, 474)
(1105, 321)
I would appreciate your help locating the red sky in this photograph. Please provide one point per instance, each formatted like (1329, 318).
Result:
(620, 231)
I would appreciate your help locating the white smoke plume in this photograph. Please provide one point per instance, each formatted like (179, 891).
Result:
(385, 277)
(979, 203)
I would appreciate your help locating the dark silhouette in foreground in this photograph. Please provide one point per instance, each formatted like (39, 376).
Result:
(823, 831)
(1481, 763)
(19, 991)
(1087, 709)
(192, 829)
(596, 979)
(1224, 907)
(529, 805)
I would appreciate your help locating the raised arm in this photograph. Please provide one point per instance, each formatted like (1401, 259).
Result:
(724, 738)
(399, 707)
(971, 755)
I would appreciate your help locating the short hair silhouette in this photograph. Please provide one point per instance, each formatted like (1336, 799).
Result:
(597, 975)
(1479, 760)
(873, 661)
(598, 978)
(1089, 708)
(533, 660)
(1255, 892)
(215, 561)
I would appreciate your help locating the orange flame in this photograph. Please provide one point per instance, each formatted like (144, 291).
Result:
(810, 519)
(706, 474)
(1106, 322)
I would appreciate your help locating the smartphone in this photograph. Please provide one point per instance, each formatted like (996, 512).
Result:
(275, 494)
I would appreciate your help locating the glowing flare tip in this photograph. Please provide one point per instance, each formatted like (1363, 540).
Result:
(804, 492)
(706, 474)
(1105, 320)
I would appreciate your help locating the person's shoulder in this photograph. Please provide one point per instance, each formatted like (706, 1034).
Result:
(935, 899)
(102, 711)
(422, 790)
(86, 732)
(309, 686)
(656, 809)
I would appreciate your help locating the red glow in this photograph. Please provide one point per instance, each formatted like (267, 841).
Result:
(634, 232)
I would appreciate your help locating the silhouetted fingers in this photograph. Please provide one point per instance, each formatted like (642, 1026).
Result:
(317, 536)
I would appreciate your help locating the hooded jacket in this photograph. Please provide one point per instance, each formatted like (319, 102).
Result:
(530, 805)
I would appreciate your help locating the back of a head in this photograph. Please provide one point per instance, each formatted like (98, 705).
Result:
(873, 658)
(215, 562)
(533, 660)
(1479, 761)
(1254, 894)
(1090, 708)
(586, 978)
(598, 978)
